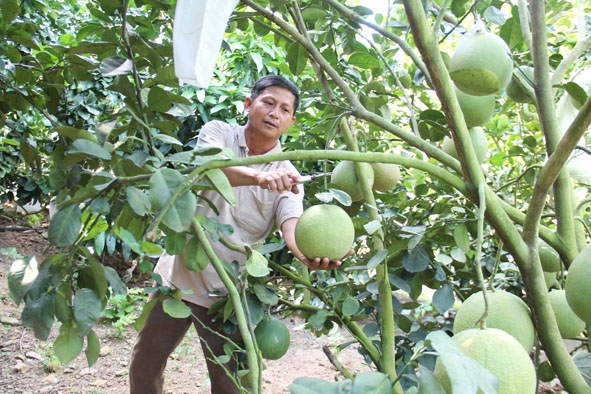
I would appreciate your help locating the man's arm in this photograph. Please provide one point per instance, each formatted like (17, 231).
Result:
(278, 180)
(288, 230)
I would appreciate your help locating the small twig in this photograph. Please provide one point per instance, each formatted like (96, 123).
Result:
(336, 363)
(22, 228)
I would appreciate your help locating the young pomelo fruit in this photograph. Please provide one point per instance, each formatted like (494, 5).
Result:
(506, 312)
(481, 63)
(477, 110)
(479, 143)
(272, 336)
(499, 353)
(578, 285)
(324, 231)
(385, 176)
(548, 257)
(569, 324)
(516, 91)
(345, 178)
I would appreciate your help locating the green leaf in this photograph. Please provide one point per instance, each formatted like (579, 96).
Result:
(65, 226)
(256, 264)
(68, 345)
(307, 385)
(577, 93)
(350, 306)
(373, 226)
(416, 260)
(297, 58)
(150, 249)
(176, 308)
(180, 209)
(195, 257)
(443, 299)
(138, 201)
(93, 277)
(372, 383)
(462, 237)
(10, 10)
(341, 196)
(89, 148)
(220, 182)
(158, 99)
(114, 280)
(174, 242)
(23, 272)
(129, 239)
(265, 295)
(377, 258)
(428, 383)
(115, 65)
(582, 360)
(87, 309)
(93, 348)
(38, 313)
(167, 139)
(364, 60)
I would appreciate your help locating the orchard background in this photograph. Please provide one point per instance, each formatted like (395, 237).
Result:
(92, 113)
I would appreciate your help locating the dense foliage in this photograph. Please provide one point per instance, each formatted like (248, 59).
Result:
(92, 114)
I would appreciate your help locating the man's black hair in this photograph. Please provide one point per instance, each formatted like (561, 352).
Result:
(276, 80)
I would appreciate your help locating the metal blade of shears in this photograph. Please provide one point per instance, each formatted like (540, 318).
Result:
(313, 177)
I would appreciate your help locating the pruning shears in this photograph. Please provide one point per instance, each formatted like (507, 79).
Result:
(313, 177)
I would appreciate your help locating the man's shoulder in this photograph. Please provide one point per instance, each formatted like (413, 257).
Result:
(220, 125)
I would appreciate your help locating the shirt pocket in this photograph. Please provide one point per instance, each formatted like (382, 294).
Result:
(255, 214)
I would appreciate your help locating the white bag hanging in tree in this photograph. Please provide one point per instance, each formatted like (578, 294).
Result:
(198, 31)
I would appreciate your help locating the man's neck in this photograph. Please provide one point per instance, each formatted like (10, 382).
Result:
(258, 146)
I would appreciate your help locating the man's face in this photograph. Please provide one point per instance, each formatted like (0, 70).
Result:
(272, 112)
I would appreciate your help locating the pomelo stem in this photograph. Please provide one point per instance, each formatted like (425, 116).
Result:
(234, 295)
(478, 252)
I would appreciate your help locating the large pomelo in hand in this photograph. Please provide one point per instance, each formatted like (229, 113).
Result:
(324, 231)
(499, 353)
(386, 176)
(477, 110)
(481, 63)
(578, 285)
(506, 312)
(344, 177)
(272, 336)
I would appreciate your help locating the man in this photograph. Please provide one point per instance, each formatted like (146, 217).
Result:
(267, 195)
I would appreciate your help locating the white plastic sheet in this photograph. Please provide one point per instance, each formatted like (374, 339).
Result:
(198, 32)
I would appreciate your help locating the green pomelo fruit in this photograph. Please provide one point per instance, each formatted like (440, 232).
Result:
(481, 64)
(569, 324)
(506, 312)
(516, 91)
(345, 178)
(479, 143)
(477, 110)
(549, 258)
(499, 353)
(551, 279)
(386, 176)
(578, 285)
(272, 338)
(324, 231)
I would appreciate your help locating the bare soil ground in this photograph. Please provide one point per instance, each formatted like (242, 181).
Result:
(27, 365)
